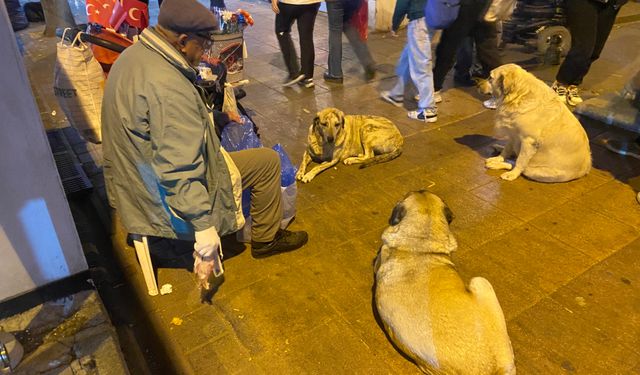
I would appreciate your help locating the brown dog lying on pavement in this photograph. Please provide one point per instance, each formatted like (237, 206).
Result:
(335, 137)
(427, 311)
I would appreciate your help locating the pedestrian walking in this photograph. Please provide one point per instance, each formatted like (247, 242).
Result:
(469, 23)
(304, 13)
(341, 20)
(415, 62)
(590, 23)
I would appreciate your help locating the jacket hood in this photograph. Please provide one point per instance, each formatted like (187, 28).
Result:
(157, 43)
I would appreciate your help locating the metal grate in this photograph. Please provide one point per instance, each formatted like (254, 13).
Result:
(73, 178)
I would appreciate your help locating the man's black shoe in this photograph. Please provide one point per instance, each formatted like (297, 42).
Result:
(369, 73)
(285, 241)
(332, 79)
(463, 81)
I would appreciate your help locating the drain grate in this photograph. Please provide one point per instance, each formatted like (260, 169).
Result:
(73, 178)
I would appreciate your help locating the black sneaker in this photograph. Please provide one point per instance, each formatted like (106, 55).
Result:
(369, 73)
(285, 241)
(293, 80)
(332, 79)
(308, 83)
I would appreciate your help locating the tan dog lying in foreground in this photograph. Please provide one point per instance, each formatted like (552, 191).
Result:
(335, 137)
(547, 140)
(427, 311)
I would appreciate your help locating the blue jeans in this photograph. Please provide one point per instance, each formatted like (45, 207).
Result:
(337, 25)
(415, 64)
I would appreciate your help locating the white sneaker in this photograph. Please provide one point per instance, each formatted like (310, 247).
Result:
(387, 97)
(573, 95)
(561, 90)
(437, 98)
(293, 80)
(426, 115)
(490, 103)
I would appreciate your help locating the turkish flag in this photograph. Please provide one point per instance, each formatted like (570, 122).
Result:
(135, 13)
(99, 11)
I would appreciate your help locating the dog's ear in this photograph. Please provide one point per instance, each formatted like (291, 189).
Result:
(316, 122)
(448, 214)
(340, 115)
(499, 82)
(398, 213)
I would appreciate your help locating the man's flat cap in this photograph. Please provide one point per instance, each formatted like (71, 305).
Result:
(186, 16)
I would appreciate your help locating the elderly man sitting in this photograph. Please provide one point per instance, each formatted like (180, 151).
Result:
(165, 171)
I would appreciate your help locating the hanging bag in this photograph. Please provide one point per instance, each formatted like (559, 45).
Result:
(440, 14)
(78, 83)
(499, 10)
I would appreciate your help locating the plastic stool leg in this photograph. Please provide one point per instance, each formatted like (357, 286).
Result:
(142, 250)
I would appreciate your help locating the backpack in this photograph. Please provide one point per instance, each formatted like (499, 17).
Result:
(440, 14)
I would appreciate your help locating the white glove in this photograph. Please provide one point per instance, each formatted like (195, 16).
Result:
(209, 249)
(207, 242)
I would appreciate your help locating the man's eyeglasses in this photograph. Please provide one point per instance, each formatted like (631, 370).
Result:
(205, 40)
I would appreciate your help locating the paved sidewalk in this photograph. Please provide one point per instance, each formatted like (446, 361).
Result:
(70, 335)
(562, 258)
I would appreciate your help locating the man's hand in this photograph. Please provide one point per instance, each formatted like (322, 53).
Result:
(274, 6)
(207, 242)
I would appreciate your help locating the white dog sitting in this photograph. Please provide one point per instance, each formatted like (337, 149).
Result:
(548, 141)
(428, 312)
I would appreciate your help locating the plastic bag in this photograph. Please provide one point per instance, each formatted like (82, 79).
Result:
(236, 137)
(204, 268)
(289, 188)
(499, 10)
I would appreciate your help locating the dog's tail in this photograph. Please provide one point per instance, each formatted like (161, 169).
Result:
(382, 158)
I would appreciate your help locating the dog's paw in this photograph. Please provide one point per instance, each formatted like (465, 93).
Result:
(351, 160)
(300, 175)
(499, 165)
(511, 175)
(307, 177)
(494, 159)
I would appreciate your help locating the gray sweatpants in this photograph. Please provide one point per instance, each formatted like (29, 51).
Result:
(260, 170)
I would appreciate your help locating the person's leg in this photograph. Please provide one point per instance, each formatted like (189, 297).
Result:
(335, 13)
(284, 20)
(464, 60)
(606, 18)
(450, 40)
(420, 62)
(402, 71)
(582, 17)
(486, 36)
(260, 170)
(306, 21)
(359, 47)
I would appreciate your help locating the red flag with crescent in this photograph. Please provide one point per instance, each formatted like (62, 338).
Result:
(99, 11)
(135, 13)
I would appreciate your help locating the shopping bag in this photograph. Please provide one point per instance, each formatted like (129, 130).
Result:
(78, 83)
(360, 18)
(440, 14)
(499, 10)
